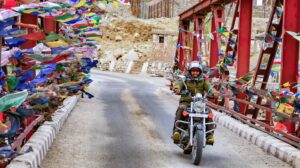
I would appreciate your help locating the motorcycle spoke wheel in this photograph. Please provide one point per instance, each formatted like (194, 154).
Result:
(197, 147)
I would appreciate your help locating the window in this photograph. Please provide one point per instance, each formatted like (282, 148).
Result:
(161, 39)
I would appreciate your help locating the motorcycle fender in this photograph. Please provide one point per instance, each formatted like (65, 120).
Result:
(199, 127)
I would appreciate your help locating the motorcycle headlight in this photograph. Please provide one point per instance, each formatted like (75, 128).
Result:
(199, 106)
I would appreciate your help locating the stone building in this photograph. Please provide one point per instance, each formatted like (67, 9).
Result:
(164, 44)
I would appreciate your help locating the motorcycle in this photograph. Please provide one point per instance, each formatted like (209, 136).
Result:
(193, 129)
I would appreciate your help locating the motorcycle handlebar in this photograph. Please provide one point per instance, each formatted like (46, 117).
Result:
(187, 93)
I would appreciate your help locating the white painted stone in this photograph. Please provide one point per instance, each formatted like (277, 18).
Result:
(40, 147)
(159, 66)
(244, 133)
(153, 65)
(53, 124)
(50, 134)
(268, 143)
(296, 161)
(59, 120)
(145, 68)
(19, 164)
(129, 68)
(46, 138)
(34, 157)
(283, 152)
(260, 140)
(60, 116)
(112, 66)
(275, 147)
(27, 159)
(292, 155)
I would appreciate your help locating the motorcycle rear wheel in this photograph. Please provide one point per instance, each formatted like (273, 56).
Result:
(197, 147)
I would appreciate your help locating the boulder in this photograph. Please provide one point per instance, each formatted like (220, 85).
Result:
(118, 38)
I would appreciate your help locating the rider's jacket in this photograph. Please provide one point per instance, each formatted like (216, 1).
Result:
(194, 86)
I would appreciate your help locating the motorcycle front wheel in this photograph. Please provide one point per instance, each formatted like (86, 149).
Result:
(197, 147)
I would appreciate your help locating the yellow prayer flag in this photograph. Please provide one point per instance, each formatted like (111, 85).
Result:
(89, 14)
(80, 4)
(116, 4)
(69, 84)
(226, 34)
(3, 125)
(223, 48)
(287, 84)
(58, 43)
(68, 19)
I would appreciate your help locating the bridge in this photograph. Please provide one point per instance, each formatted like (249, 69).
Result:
(254, 96)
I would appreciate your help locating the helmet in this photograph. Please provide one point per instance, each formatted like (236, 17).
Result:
(195, 65)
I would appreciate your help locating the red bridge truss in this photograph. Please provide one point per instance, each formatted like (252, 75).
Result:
(248, 98)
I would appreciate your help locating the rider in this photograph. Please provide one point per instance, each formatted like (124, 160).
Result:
(195, 84)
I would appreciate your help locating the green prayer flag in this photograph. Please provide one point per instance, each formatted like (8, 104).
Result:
(39, 57)
(12, 100)
(284, 100)
(66, 17)
(60, 68)
(222, 30)
(12, 82)
(51, 37)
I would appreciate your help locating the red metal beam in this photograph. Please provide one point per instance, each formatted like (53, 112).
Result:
(28, 26)
(196, 43)
(229, 48)
(214, 48)
(50, 25)
(19, 140)
(204, 7)
(244, 43)
(290, 46)
(188, 50)
(244, 37)
(32, 20)
(181, 51)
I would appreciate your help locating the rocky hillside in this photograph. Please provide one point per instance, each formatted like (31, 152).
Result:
(126, 37)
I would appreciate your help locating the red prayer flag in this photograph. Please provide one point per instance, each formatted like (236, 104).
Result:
(58, 58)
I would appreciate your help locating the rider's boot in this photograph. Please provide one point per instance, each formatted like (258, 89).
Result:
(176, 137)
(210, 139)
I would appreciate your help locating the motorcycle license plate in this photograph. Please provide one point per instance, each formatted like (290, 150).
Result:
(198, 115)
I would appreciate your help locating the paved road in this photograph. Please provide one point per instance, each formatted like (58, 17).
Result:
(128, 125)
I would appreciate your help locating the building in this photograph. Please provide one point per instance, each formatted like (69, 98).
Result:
(164, 44)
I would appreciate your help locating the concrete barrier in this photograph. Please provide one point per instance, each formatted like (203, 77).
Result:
(266, 142)
(42, 139)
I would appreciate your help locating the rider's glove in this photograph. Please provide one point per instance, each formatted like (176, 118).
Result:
(177, 91)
